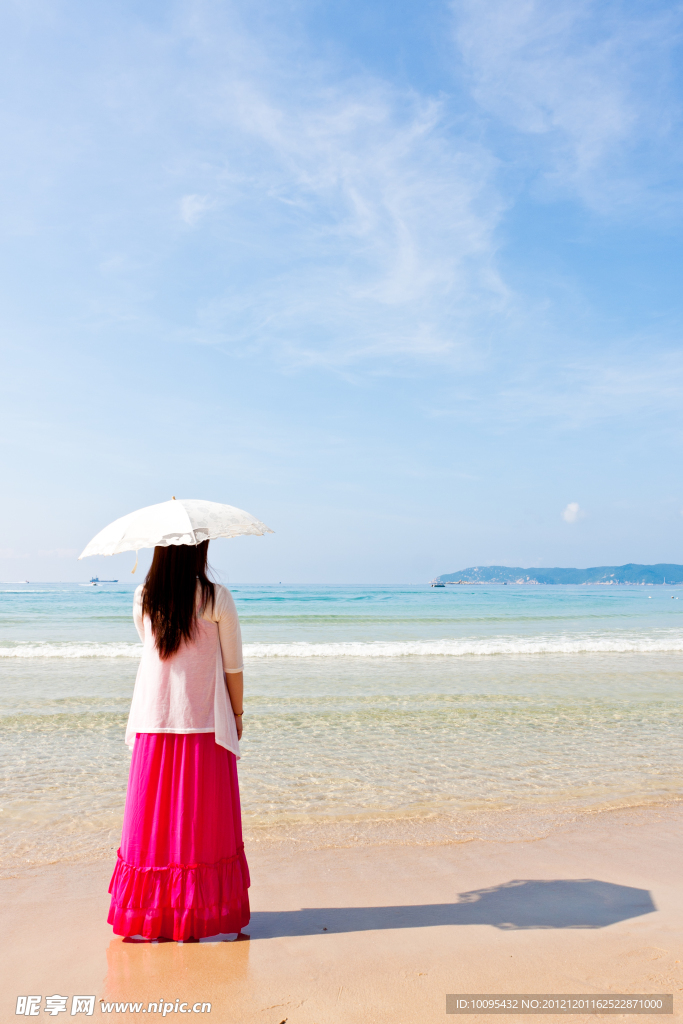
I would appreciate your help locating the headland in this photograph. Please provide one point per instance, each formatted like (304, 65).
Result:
(665, 573)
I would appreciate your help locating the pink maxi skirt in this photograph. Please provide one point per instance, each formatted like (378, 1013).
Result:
(181, 872)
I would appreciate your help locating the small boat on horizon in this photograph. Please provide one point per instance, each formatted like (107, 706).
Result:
(95, 581)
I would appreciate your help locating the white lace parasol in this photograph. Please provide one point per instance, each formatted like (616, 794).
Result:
(182, 521)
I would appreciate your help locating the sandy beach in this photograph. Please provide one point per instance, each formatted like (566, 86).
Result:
(381, 933)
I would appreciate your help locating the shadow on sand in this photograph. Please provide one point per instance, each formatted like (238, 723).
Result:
(523, 903)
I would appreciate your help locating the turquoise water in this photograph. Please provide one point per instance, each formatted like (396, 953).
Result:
(412, 712)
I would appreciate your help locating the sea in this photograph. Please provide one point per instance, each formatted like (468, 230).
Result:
(373, 714)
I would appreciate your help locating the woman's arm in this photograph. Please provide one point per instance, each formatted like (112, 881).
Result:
(225, 614)
(235, 684)
(137, 613)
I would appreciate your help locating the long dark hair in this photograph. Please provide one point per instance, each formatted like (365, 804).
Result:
(169, 596)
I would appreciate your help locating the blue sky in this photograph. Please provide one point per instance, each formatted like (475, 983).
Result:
(403, 280)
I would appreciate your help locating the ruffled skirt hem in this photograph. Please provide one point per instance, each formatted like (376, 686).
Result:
(179, 925)
(180, 901)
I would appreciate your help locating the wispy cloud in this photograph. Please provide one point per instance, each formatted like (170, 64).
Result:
(343, 219)
(358, 223)
(193, 207)
(590, 80)
(575, 394)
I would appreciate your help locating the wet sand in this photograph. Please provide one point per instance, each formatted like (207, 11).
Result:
(379, 933)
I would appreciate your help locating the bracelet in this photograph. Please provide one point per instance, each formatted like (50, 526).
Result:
(238, 716)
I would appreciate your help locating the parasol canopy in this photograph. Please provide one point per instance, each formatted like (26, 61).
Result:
(181, 521)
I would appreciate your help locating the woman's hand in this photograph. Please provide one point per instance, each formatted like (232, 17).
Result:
(238, 723)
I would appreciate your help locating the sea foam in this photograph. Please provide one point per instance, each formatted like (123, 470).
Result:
(501, 645)
(81, 649)
(662, 642)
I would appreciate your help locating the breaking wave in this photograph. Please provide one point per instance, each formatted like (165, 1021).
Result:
(633, 643)
(81, 649)
(463, 647)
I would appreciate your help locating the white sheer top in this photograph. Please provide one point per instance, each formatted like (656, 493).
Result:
(187, 693)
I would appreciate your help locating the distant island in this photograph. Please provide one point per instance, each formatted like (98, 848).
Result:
(663, 572)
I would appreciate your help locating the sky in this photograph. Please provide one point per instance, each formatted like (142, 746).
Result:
(401, 279)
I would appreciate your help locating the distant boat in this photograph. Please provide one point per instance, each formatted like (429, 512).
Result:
(95, 582)
(436, 583)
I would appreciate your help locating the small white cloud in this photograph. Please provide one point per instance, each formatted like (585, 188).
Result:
(193, 207)
(572, 512)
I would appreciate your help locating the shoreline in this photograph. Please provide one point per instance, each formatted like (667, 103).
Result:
(380, 934)
(522, 824)
(506, 825)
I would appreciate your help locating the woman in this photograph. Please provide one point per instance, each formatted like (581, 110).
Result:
(181, 872)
